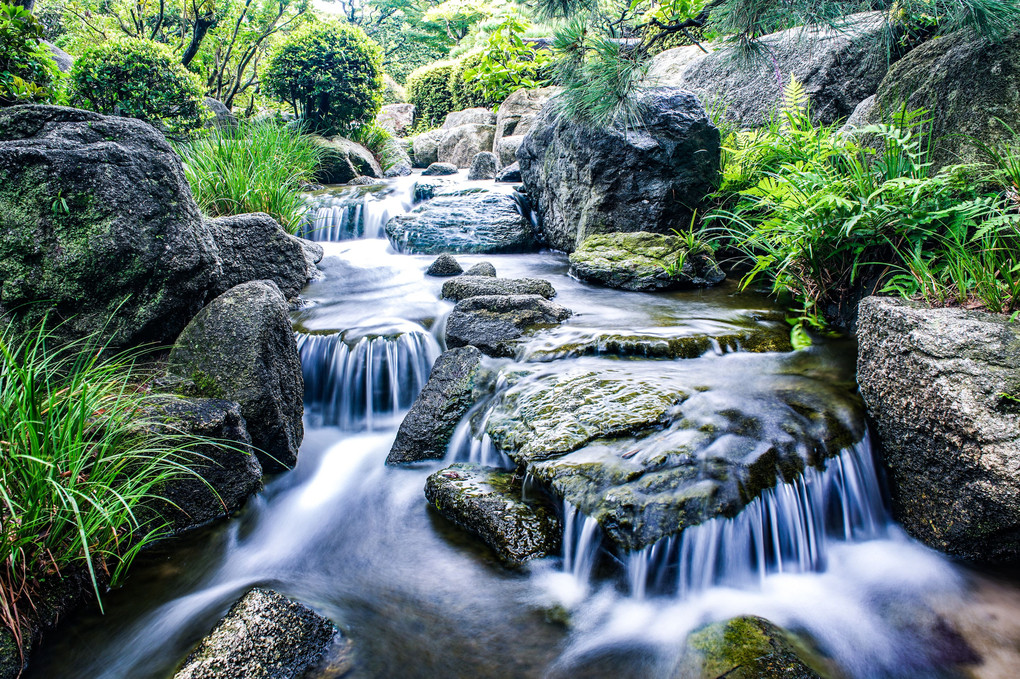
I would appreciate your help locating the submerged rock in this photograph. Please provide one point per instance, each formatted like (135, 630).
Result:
(428, 426)
(264, 636)
(487, 502)
(438, 169)
(748, 647)
(445, 265)
(475, 286)
(241, 347)
(472, 221)
(943, 389)
(643, 261)
(482, 269)
(483, 166)
(648, 177)
(493, 322)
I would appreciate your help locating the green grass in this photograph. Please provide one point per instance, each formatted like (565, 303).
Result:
(79, 462)
(257, 167)
(383, 145)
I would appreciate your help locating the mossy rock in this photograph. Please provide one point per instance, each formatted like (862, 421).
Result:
(749, 648)
(644, 262)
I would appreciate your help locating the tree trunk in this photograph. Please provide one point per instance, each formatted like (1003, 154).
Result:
(202, 26)
(27, 4)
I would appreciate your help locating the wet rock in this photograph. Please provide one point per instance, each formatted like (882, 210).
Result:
(748, 647)
(264, 636)
(255, 247)
(426, 429)
(98, 227)
(487, 503)
(481, 269)
(839, 67)
(398, 118)
(583, 180)
(461, 144)
(644, 262)
(345, 160)
(437, 169)
(493, 322)
(475, 286)
(229, 471)
(483, 166)
(445, 265)
(241, 347)
(362, 181)
(425, 148)
(510, 173)
(968, 86)
(222, 118)
(506, 150)
(473, 221)
(470, 116)
(940, 386)
(518, 113)
(401, 169)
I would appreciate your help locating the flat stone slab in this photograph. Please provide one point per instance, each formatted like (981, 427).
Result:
(494, 323)
(477, 286)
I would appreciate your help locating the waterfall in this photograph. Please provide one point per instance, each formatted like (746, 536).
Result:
(356, 212)
(582, 540)
(470, 442)
(367, 384)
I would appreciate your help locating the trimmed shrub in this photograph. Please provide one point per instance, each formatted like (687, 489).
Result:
(138, 78)
(393, 92)
(428, 88)
(331, 72)
(464, 90)
(27, 71)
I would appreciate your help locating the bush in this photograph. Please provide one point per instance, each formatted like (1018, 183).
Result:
(393, 92)
(27, 71)
(331, 72)
(507, 63)
(387, 149)
(138, 78)
(258, 167)
(428, 88)
(464, 90)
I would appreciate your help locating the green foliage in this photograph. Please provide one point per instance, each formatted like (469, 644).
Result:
(383, 145)
(137, 78)
(80, 461)
(428, 88)
(27, 71)
(331, 72)
(393, 92)
(507, 63)
(258, 167)
(464, 90)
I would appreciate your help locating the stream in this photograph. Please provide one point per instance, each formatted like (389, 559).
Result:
(356, 540)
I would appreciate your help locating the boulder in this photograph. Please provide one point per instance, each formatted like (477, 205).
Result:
(487, 503)
(397, 118)
(439, 169)
(462, 143)
(494, 322)
(518, 112)
(748, 647)
(241, 347)
(445, 265)
(968, 86)
(345, 160)
(362, 181)
(483, 166)
(475, 286)
(63, 60)
(859, 117)
(471, 116)
(229, 472)
(98, 227)
(425, 147)
(510, 173)
(428, 426)
(255, 247)
(839, 68)
(943, 389)
(643, 262)
(265, 635)
(584, 180)
(482, 269)
(478, 221)
(222, 118)
(506, 149)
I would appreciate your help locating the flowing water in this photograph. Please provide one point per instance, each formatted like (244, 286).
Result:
(419, 598)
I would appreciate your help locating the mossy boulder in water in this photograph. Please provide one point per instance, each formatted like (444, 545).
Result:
(446, 398)
(487, 502)
(747, 648)
(643, 261)
(476, 286)
(344, 160)
(494, 323)
(445, 265)
(241, 347)
(482, 269)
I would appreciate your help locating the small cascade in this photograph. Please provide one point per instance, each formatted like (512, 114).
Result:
(785, 530)
(582, 540)
(470, 442)
(527, 210)
(365, 384)
(356, 212)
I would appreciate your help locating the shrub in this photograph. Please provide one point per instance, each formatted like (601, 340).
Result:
(428, 88)
(138, 78)
(464, 90)
(508, 63)
(331, 72)
(258, 167)
(27, 71)
(393, 92)
(384, 146)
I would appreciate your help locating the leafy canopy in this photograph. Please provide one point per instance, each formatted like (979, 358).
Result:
(27, 71)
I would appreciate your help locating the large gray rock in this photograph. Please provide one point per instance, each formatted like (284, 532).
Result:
(643, 262)
(398, 118)
(940, 386)
(264, 636)
(462, 143)
(483, 166)
(969, 87)
(839, 68)
(241, 347)
(345, 160)
(470, 116)
(475, 286)
(518, 112)
(98, 227)
(425, 148)
(487, 503)
(439, 170)
(222, 118)
(63, 60)
(476, 221)
(445, 265)
(505, 149)
(255, 247)
(428, 426)
(584, 181)
(493, 323)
